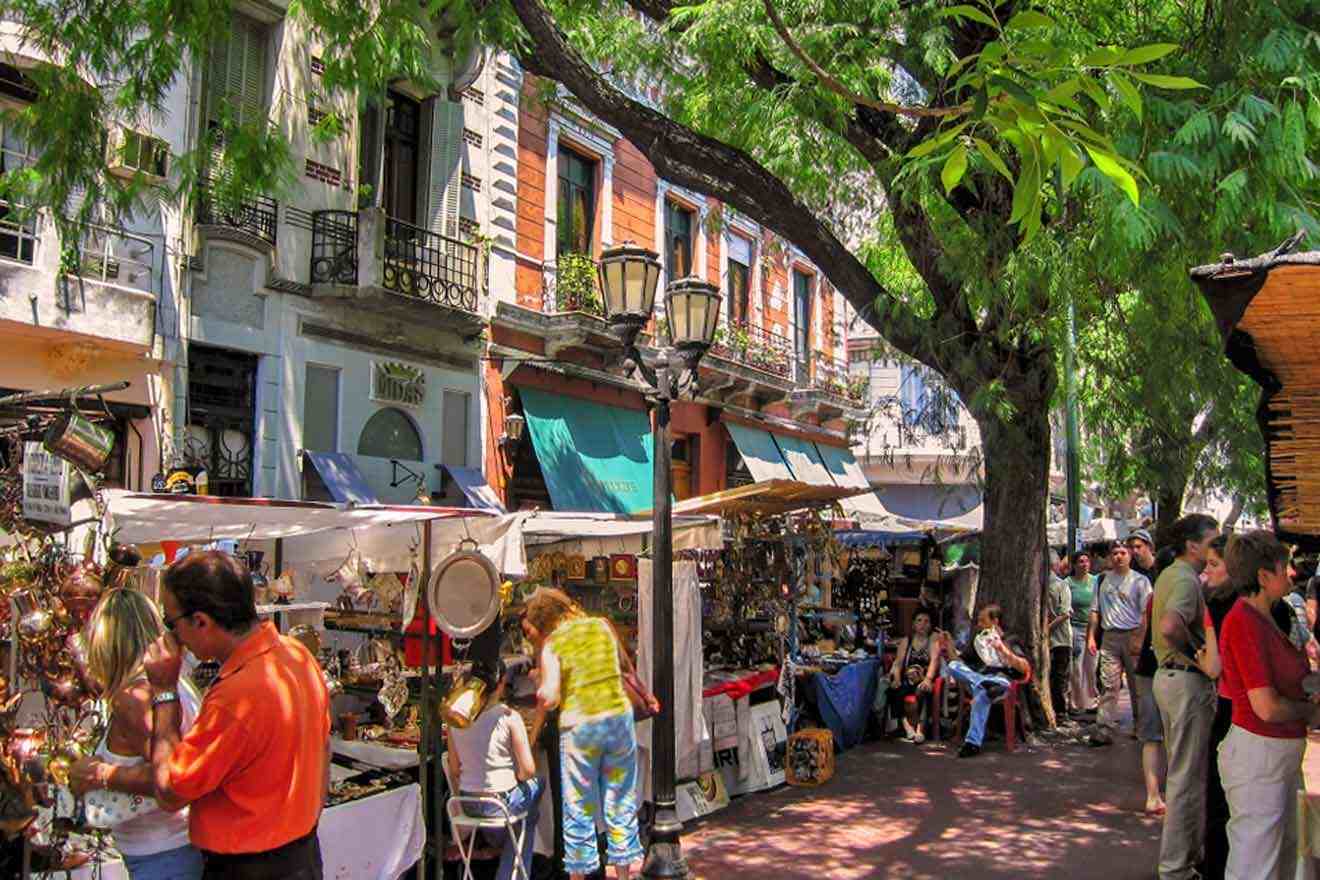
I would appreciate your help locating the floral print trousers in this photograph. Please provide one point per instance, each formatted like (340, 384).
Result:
(598, 761)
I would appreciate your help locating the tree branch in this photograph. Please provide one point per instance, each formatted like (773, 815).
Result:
(834, 85)
(709, 166)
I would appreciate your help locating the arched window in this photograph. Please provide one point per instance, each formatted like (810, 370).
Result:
(390, 434)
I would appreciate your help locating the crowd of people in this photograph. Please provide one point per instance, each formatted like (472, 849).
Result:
(1214, 641)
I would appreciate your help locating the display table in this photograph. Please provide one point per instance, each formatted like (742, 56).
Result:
(738, 684)
(375, 754)
(844, 700)
(375, 838)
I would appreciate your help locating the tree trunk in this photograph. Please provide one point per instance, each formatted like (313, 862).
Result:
(1013, 544)
(1169, 499)
(1234, 512)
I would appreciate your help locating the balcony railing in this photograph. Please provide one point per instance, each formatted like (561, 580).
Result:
(756, 347)
(334, 247)
(256, 215)
(571, 284)
(18, 239)
(831, 375)
(430, 266)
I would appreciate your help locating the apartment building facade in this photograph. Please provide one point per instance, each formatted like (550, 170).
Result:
(774, 388)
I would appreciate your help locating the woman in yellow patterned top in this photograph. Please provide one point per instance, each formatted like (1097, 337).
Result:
(581, 674)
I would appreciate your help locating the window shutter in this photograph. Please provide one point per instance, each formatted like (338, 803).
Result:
(446, 166)
(253, 87)
(740, 250)
(236, 72)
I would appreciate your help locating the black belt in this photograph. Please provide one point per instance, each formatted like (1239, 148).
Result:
(1183, 667)
(303, 854)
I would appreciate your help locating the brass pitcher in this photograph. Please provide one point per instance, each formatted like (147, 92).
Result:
(465, 701)
(76, 439)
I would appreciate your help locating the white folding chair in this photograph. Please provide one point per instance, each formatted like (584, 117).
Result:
(514, 824)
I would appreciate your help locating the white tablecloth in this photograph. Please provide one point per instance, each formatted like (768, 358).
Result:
(375, 754)
(375, 838)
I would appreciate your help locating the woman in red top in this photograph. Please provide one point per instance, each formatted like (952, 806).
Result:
(1260, 761)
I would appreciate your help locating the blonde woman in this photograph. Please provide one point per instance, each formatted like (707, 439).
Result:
(581, 668)
(153, 842)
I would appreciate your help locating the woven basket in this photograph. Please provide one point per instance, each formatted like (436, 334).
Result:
(810, 758)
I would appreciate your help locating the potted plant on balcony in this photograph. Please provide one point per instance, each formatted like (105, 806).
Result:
(576, 285)
(858, 389)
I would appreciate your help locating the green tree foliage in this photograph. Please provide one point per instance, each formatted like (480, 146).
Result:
(1230, 169)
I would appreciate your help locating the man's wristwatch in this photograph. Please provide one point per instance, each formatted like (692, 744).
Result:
(164, 697)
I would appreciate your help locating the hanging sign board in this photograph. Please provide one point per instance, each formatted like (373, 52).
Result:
(47, 485)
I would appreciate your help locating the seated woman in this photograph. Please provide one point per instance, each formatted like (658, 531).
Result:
(492, 757)
(153, 842)
(912, 677)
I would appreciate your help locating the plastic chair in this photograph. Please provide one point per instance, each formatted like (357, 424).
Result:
(513, 824)
(1011, 700)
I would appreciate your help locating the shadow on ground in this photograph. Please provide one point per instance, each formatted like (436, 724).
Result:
(918, 813)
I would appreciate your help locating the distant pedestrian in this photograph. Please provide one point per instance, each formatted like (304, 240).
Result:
(1144, 561)
(1081, 589)
(1150, 729)
(1185, 695)
(1260, 760)
(1119, 607)
(1058, 625)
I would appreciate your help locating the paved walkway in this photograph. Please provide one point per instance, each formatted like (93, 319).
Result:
(908, 812)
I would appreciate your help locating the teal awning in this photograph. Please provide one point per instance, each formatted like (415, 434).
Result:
(804, 461)
(847, 472)
(760, 453)
(593, 457)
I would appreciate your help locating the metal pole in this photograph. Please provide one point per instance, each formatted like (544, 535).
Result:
(664, 856)
(429, 757)
(1072, 468)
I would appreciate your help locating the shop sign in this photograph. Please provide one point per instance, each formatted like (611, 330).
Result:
(47, 485)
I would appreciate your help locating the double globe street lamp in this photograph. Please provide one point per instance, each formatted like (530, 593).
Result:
(629, 276)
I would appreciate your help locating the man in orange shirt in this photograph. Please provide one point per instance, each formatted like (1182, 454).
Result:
(255, 765)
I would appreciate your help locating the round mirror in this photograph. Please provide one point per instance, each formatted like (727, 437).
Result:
(464, 594)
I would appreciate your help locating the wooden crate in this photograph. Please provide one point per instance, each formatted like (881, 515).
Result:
(810, 759)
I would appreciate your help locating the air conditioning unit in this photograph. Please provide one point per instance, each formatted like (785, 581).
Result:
(129, 152)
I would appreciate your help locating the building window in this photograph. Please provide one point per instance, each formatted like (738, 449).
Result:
(321, 409)
(740, 279)
(454, 423)
(403, 123)
(802, 316)
(17, 240)
(390, 434)
(926, 403)
(236, 72)
(678, 241)
(577, 203)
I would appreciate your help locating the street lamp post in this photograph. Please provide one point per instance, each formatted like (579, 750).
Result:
(628, 278)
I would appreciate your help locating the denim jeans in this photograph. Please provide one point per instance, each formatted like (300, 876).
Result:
(525, 798)
(963, 674)
(184, 863)
(598, 768)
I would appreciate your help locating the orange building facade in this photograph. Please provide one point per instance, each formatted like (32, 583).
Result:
(778, 365)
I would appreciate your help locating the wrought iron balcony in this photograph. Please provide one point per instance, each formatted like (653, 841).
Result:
(411, 263)
(571, 284)
(754, 346)
(430, 266)
(831, 375)
(255, 216)
(335, 247)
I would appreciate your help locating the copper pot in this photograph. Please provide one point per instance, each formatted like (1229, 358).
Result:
(64, 688)
(81, 590)
(34, 620)
(74, 438)
(75, 647)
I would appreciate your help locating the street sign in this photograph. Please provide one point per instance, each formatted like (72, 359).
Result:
(47, 485)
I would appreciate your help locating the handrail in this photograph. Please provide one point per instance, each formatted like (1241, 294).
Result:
(430, 266)
(334, 247)
(257, 215)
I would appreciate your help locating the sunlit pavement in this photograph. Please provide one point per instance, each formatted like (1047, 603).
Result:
(916, 812)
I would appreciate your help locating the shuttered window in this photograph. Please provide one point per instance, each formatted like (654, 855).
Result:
(457, 404)
(236, 72)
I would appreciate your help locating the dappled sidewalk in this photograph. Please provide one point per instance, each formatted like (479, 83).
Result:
(901, 811)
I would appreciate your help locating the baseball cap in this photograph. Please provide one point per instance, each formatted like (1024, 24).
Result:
(1142, 535)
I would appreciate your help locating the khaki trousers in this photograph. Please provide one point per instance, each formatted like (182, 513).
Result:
(1115, 661)
(1187, 702)
(1261, 775)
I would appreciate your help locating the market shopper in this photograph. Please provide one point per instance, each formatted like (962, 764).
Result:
(1119, 606)
(153, 841)
(1185, 695)
(581, 675)
(492, 757)
(1260, 759)
(1058, 626)
(1142, 548)
(912, 677)
(1081, 589)
(986, 668)
(254, 768)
